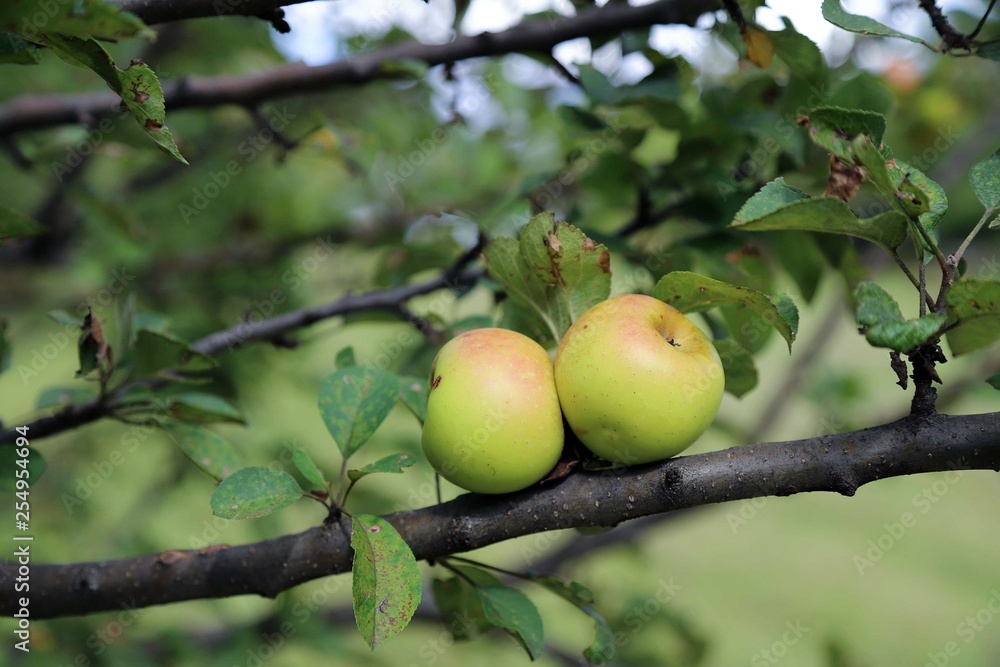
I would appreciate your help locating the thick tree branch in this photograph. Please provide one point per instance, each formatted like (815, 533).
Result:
(840, 463)
(32, 112)
(163, 11)
(274, 329)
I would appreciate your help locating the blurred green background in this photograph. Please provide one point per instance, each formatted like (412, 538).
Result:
(356, 203)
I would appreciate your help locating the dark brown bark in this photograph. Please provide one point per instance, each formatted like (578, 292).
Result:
(839, 463)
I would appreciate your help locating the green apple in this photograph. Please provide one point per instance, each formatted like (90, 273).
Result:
(638, 381)
(493, 422)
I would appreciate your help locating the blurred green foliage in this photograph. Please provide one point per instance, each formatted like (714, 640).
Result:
(377, 186)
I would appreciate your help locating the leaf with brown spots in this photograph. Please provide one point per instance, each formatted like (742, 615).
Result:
(94, 351)
(844, 179)
(386, 586)
(137, 85)
(552, 274)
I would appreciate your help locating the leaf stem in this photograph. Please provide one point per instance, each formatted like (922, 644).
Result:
(338, 500)
(923, 289)
(909, 274)
(990, 212)
(509, 573)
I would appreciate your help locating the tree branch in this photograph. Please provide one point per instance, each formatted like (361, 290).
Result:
(273, 329)
(840, 463)
(163, 11)
(31, 112)
(952, 38)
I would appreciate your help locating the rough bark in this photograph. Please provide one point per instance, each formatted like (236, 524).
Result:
(838, 463)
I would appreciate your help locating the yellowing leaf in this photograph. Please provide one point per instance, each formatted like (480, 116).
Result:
(760, 48)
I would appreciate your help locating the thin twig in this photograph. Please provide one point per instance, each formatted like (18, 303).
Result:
(982, 21)
(237, 336)
(990, 212)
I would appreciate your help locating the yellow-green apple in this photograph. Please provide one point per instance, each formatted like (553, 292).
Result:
(493, 422)
(637, 380)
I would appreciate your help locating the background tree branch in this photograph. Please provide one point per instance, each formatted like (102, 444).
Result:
(274, 329)
(32, 112)
(840, 463)
(163, 11)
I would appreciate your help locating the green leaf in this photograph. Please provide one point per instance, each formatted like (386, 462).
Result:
(206, 449)
(61, 396)
(835, 128)
(354, 401)
(308, 469)
(989, 49)
(780, 207)
(770, 198)
(974, 312)
(249, 493)
(16, 51)
(739, 366)
(923, 197)
(10, 463)
(156, 353)
(906, 335)
(413, 392)
(880, 316)
(5, 350)
(835, 14)
(386, 587)
(345, 358)
(510, 609)
(689, 292)
(994, 380)
(460, 607)
(985, 178)
(137, 86)
(572, 591)
(394, 463)
(507, 608)
(552, 271)
(202, 408)
(799, 53)
(406, 67)
(92, 347)
(604, 646)
(15, 225)
(81, 18)
(800, 255)
(875, 305)
(62, 317)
